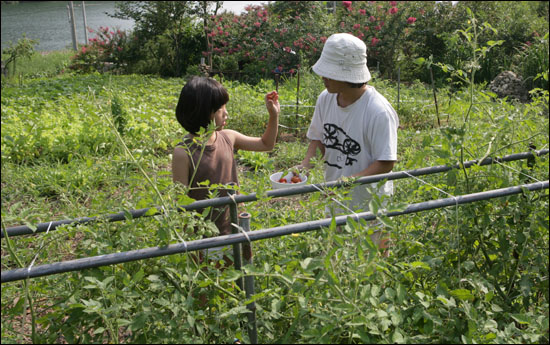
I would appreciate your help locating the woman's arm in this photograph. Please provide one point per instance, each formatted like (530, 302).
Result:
(180, 166)
(267, 141)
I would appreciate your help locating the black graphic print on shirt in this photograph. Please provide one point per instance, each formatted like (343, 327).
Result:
(349, 147)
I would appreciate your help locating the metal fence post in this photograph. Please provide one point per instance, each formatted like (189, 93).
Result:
(244, 223)
(236, 247)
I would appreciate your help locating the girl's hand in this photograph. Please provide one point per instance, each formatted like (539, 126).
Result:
(272, 102)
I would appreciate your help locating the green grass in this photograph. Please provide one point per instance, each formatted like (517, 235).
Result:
(41, 64)
(61, 158)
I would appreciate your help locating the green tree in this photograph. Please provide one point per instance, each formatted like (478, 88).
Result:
(167, 36)
(24, 48)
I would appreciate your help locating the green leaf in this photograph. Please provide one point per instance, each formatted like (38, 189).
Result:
(332, 224)
(390, 293)
(99, 330)
(305, 263)
(138, 276)
(495, 43)
(463, 294)
(151, 211)
(387, 221)
(184, 199)
(401, 293)
(420, 264)
(123, 322)
(190, 320)
(235, 311)
(163, 234)
(231, 275)
(446, 302)
(107, 280)
(521, 318)
(139, 322)
(525, 286)
(419, 61)
(397, 337)
(153, 278)
(374, 205)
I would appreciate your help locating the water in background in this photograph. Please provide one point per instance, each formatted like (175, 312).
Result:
(48, 22)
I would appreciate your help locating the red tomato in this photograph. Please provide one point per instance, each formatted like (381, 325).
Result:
(283, 180)
(296, 179)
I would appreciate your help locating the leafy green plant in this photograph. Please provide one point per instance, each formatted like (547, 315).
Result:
(119, 114)
(255, 160)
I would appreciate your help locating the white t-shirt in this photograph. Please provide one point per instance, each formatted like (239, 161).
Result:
(355, 137)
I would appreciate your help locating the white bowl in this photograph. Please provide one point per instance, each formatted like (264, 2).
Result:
(274, 178)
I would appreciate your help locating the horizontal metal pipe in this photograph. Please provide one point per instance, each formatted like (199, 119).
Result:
(140, 254)
(222, 201)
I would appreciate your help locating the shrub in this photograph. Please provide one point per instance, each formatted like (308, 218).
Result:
(107, 48)
(531, 60)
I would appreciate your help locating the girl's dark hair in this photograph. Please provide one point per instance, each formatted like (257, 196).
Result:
(199, 99)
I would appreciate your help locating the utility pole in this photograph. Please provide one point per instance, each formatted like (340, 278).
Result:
(85, 23)
(73, 25)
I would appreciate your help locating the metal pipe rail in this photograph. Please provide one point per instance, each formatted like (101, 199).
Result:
(140, 254)
(222, 201)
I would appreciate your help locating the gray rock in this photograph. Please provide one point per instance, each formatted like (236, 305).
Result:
(508, 84)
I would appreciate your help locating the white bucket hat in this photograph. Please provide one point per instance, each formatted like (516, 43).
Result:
(344, 58)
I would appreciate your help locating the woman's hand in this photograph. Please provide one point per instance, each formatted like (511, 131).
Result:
(272, 103)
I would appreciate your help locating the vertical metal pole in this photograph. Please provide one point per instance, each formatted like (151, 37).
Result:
(73, 25)
(244, 222)
(236, 247)
(85, 23)
(297, 100)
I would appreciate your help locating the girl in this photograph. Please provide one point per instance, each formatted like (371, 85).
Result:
(202, 101)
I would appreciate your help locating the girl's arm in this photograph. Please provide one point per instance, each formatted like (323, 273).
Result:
(180, 166)
(267, 141)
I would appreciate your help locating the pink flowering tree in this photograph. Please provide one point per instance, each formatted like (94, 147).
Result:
(283, 34)
(298, 33)
(385, 26)
(234, 40)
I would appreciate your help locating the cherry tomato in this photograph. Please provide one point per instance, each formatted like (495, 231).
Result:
(296, 179)
(283, 180)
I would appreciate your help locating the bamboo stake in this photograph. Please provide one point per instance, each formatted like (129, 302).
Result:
(435, 97)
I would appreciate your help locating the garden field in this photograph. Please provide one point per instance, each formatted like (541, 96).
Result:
(98, 144)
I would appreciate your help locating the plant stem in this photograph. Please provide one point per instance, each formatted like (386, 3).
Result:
(34, 336)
